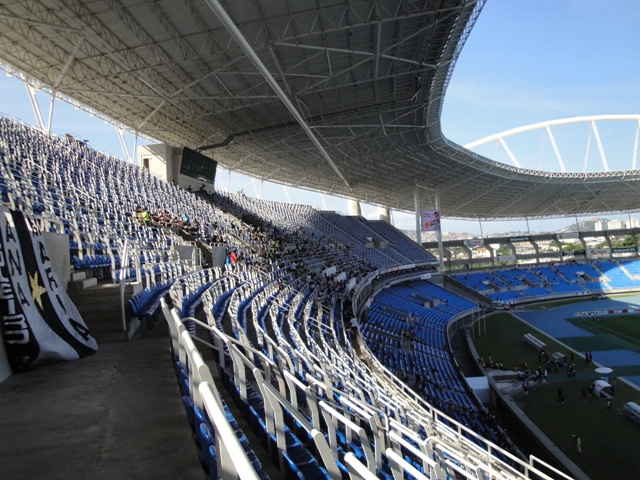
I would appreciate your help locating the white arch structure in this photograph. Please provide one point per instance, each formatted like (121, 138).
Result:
(546, 126)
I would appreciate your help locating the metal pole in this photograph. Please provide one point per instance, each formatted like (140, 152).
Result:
(124, 267)
(418, 222)
(53, 102)
(134, 150)
(36, 107)
(440, 248)
(484, 317)
(481, 232)
(473, 327)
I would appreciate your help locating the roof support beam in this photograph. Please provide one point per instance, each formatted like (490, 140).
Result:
(37, 23)
(509, 152)
(555, 149)
(63, 72)
(476, 194)
(123, 143)
(602, 155)
(67, 64)
(374, 55)
(251, 54)
(381, 16)
(376, 62)
(35, 105)
(364, 125)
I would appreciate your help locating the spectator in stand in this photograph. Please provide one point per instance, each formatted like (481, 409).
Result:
(164, 218)
(145, 216)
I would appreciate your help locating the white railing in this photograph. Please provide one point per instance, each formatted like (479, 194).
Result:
(232, 460)
(456, 448)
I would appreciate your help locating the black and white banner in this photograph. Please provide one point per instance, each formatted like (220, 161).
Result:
(40, 322)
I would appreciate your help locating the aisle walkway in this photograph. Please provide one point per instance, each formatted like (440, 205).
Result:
(114, 415)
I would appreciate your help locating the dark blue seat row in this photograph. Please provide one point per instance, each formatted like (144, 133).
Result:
(146, 302)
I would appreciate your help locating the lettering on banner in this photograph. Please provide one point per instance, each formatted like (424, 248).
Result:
(50, 277)
(82, 330)
(22, 298)
(5, 289)
(16, 330)
(15, 263)
(9, 232)
(38, 320)
(61, 303)
(43, 252)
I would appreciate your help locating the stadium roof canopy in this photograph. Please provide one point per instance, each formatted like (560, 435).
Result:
(338, 96)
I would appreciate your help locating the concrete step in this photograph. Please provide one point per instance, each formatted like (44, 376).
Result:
(107, 313)
(106, 290)
(102, 315)
(78, 275)
(104, 326)
(113, 325)
(100, 307)
(82, 284)
(98, 304)
(105, 337)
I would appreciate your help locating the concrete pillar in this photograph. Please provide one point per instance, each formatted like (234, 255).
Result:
(536, 248)
(584, 244)
(492, 254)
(384, 214)
(469, 255)
(607, 239)
(353, 208)
(218, 256)
(58, 250)
(448, 256)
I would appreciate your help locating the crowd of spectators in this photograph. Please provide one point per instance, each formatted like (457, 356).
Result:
(163, 219)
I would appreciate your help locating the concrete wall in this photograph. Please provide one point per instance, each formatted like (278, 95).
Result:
(160, 158)
(185, 251)
(58, 250)
(384, 214)
(218, 256)
(164, 163)
(353, 208)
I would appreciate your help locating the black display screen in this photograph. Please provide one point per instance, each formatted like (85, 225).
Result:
(198, 166)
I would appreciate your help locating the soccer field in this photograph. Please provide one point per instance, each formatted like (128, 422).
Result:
(607, 438)
(617, 331)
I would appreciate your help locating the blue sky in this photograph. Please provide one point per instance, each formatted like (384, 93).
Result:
(533, 61)
(526, 61)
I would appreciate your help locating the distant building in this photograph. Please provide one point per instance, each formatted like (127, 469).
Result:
(615, 224)
(590, 225)
(632, 223)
